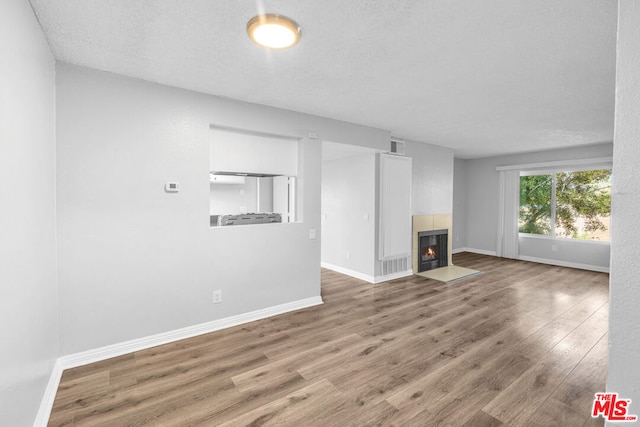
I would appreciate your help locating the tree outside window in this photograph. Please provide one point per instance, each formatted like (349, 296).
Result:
(574, 205)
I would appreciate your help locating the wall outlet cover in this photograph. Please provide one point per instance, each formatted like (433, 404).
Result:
(217, 296)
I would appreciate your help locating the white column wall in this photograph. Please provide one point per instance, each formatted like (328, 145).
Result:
(29, 294)
(624, 328)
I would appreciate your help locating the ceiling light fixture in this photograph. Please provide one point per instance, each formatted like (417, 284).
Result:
(273, 31)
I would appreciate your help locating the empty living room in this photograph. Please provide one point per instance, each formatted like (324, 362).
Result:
(393, 213)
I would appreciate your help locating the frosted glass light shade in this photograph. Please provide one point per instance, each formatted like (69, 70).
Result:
(273, 31)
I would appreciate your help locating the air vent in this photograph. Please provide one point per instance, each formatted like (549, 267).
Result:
(395, 265)
(397, 147)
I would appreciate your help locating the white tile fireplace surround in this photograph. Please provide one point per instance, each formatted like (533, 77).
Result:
(425, 223)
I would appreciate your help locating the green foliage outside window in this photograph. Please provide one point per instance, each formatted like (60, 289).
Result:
(582, 204)
(535, 204)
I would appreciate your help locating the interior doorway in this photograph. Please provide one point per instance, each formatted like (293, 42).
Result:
(349, 209)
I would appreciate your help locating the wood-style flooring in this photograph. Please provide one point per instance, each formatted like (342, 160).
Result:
(522, 344)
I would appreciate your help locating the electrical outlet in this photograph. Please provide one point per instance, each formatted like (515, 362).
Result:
(348, 255)
(217, 296)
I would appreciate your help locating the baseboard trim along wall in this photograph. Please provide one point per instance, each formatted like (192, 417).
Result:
(589, 267)
(475, 251)
(392, 276)
(42, 417)
(366, 277)
(114, 350)
(348, 272)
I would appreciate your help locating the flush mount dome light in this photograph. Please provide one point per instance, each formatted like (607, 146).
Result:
(273, 31)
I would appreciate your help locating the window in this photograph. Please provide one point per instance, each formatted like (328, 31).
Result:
(573, 204)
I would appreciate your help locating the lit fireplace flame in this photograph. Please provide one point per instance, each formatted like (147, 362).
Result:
(429, 254)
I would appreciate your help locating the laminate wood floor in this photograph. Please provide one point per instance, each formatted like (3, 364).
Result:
(522, 344)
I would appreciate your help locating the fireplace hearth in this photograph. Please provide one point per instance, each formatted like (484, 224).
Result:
(433, 251)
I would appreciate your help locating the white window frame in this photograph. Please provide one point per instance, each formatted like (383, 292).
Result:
(553, 172)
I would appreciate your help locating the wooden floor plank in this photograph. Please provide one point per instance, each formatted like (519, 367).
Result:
(556, 414)
(579, 388)
(310, 403)
(521, 344)
(482, 419)
(525, 395)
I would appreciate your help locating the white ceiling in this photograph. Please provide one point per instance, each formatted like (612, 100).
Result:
(483, 77)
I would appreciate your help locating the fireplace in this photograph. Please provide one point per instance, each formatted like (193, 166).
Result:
(433, 251)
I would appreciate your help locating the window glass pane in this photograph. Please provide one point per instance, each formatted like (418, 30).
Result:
(535, 204)
(583, 204)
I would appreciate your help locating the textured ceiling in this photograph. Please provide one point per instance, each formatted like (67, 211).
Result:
(483, 77)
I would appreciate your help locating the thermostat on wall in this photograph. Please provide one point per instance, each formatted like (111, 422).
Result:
(172, 187)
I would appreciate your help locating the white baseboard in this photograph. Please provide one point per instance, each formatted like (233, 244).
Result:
(589, 267)
(114, 350)
(393, 276)
(42, 417)
(366, 277)
(107, 352)
(348, 272)
(597, 268)
(475, 251)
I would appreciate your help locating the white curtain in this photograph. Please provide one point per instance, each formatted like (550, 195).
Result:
(509, 191)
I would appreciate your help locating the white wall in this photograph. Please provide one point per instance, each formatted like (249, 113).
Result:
(432, 184)
(29, 301)
(348, 213)
(481, 210)
(459, 204)
(136, 261)
(576, 253)
(624, 328)
(234, 198)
